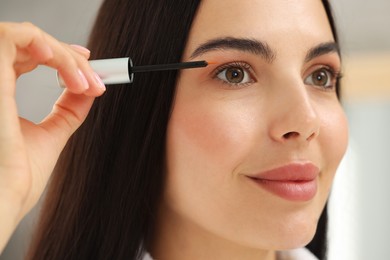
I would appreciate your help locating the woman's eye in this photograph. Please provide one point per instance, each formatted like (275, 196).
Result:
(234, 75)
(323, 78)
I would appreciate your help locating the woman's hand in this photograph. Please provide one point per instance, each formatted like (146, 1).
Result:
(28, 151)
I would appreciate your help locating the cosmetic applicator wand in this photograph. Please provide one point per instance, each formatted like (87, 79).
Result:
(121, 70)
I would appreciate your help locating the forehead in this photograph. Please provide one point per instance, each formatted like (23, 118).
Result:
(278, 22)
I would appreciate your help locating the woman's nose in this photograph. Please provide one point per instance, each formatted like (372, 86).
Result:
(294, 117)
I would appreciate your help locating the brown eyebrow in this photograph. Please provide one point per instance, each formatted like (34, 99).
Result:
(259, 48)
(322, 49)
(241, 44)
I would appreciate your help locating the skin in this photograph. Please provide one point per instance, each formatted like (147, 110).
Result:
(28, 151)
(219, 133)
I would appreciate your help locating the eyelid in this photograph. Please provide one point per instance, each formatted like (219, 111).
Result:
(240, 64)
(335, 74)
(330, 61)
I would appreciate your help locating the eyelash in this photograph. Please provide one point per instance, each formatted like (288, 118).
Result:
(335, 75)
(235, 64)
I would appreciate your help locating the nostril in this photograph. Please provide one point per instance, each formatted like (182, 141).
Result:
(290, 135)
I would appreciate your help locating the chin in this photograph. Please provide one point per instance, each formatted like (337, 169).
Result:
(297, 241)
(296, 235)
(281, 239)
(290, 232)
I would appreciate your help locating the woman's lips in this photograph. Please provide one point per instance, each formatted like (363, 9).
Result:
(295, 182)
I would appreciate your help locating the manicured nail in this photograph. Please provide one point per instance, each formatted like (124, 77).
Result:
(83, 79)
(81, 48)
(100, 82)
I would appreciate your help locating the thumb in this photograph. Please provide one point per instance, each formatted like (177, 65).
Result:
(48, 140)
(68, 113)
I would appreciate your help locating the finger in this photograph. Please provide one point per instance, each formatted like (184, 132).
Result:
(82, 50)
(26, 36)
(21, 68)
(24, 62)
(71, 62)
(47, 139)
(7, 74)
(67, 63)
(67, 115)
(8, 108)
(44, 49)
(97, 86)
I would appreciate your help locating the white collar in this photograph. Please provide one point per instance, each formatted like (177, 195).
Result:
(296, 254)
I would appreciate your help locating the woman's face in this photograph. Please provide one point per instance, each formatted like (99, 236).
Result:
(254, 141)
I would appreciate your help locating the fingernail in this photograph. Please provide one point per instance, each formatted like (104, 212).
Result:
(100, 82)
(83, 79)
(81, 48)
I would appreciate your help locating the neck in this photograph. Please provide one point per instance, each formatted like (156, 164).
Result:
(177, 238)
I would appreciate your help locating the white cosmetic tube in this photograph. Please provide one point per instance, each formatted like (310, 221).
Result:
(111, 71)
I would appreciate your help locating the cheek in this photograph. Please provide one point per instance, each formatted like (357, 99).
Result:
(335, 137)
(209, 134)
(333, 142)
(207, 141)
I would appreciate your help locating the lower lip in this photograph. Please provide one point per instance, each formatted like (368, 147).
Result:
(290, 190)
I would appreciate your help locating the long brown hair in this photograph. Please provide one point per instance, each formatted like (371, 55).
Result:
(103, 196)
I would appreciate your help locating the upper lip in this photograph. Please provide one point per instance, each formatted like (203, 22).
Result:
(297, 171)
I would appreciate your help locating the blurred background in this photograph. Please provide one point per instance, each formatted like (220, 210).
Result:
(359, 207)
